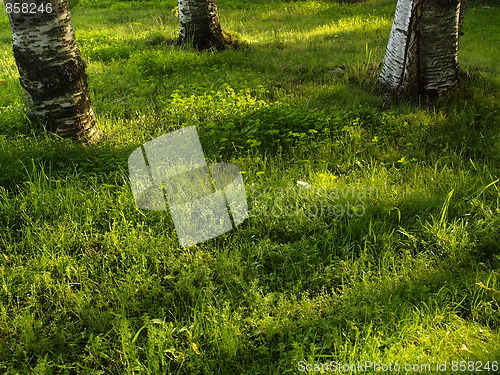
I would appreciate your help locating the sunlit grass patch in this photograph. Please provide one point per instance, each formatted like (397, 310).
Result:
(373, 226)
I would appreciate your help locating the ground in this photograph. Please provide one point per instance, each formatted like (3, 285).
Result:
(388, 253)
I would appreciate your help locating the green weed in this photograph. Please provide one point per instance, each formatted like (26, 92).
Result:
(373, 226)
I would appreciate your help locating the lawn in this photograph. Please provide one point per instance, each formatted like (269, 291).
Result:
(388, 254)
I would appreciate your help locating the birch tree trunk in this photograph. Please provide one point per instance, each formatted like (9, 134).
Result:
(422, 54)
(200, 25)
(52, 72)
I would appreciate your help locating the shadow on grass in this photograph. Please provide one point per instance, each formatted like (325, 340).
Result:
(22, 157)
(346, 321)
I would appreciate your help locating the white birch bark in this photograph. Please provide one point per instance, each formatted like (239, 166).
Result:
(396, 53)
(421, 56)
(200, 25)
(52, 72)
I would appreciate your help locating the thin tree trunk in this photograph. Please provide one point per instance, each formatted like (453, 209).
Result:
(421, 57)
(52, 72)
(200, 25)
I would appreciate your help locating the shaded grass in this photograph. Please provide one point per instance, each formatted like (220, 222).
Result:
(390, 255)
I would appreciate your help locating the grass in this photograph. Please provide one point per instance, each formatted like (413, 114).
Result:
(390, 255)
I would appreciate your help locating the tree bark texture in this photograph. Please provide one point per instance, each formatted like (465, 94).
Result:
(422, 54)
(200, 25)
(52, 72)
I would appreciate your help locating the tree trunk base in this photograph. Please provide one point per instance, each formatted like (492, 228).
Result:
(52, 72)
(200, 26)
(421, 59)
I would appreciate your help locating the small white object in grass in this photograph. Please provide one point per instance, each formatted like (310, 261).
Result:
(302, 183)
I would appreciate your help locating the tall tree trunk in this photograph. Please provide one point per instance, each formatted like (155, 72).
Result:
(200, 25)
(421, 57)
(52, 72)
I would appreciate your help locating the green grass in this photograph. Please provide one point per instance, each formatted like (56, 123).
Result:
(391, 255)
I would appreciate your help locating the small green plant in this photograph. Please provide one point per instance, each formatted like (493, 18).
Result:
(373, 226)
